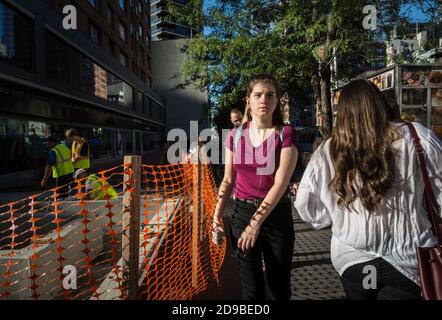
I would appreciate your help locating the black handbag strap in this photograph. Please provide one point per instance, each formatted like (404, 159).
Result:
(432, 204)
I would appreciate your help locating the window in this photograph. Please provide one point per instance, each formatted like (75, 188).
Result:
(57, 59)
(142, 56)
(140, 100)
(122, 4)
(128, 139)
(119, 92)
(140, 31)
(112, 47)
(134, 67)
(100, 82)
(137, 142)
(123, 59)
(93, 78)
(123, 31)
(16, 38)
(94, 33)
(146, 141)
(150, 107)
(24, 142)
(100, 142)
(93, 3)
(185, 31)
(110, 17)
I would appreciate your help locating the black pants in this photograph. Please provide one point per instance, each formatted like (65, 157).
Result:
(275, 244)
(390, 283)
(64, 181)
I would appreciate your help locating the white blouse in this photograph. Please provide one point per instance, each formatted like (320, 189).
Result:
(400, 223)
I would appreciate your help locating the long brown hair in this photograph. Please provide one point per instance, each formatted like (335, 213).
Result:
(361, 145)
(277, 117)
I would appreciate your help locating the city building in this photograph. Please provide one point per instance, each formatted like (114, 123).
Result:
(164, 27)
(403, 49)
(378, 55)
(96, 78)
(184, 103)
(408, 41)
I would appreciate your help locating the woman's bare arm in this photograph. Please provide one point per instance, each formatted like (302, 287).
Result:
(225, 189)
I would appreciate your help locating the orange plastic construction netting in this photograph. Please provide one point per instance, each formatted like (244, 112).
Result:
(73, 242)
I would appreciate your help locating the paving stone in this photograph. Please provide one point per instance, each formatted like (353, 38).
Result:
(313, 276)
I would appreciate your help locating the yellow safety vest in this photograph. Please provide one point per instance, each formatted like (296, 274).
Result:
(81, 162)
(97, 192)
(63, 164)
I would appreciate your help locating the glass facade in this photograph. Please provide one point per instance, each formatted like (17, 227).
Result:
(23, 132)
(94, 33)
(123, 59)
(69, 67)
(110, 16)
(123, 31)
(57, 58)
(122, 4)
(16, 38)
(118, 91)
(24, 142)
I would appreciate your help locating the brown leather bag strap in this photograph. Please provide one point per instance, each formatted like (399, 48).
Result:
(432, 204)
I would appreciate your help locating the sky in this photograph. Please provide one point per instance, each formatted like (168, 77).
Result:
(416, 14)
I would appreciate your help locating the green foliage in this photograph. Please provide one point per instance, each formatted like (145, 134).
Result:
(246, 37)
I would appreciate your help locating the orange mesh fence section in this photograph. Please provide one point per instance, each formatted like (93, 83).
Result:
(67, 243)
(180, 258)
(61, 243)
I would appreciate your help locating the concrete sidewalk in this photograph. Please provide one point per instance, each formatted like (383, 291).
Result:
(313, 276)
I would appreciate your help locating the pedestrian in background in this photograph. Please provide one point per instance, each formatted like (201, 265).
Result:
(80, 150)
(60, 165)
(366, 182)
(262, 224)
(235, 117)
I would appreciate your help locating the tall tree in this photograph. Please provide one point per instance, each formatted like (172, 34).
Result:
(294, 40)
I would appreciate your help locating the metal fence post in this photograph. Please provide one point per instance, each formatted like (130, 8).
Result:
(131, 224)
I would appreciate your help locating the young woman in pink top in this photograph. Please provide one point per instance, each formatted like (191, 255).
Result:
(260, 158)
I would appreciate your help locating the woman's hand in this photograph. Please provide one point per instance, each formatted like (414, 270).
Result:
(217, 227)
(248, 238)
(294, 188)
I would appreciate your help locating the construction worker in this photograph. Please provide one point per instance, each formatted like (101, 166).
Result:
(94, 186)
(60, 164)
(80, 150)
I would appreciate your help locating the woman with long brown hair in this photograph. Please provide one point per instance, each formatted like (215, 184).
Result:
(366, 182)
(260, 158)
